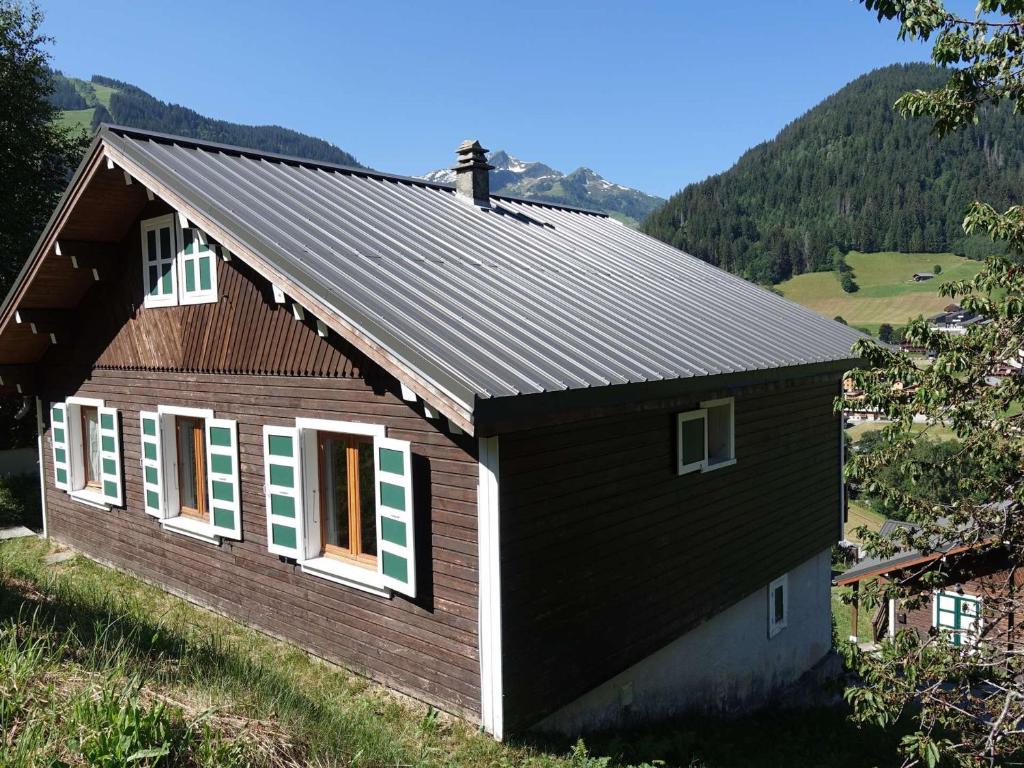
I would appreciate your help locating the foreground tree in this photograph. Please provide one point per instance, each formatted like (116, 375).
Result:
(36, 153)
(965, 705)
(36, 158)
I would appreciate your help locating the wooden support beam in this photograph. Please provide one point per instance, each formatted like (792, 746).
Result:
(98, 258)
(21, 377)
(854, 606)
(127, 178)
(45, 321)
(149, 194)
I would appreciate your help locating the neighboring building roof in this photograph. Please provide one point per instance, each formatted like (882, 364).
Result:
(515, 299)
(872, 567)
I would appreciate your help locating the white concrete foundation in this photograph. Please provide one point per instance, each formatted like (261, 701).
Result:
(728, 664)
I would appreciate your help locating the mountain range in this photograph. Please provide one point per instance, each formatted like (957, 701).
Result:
(582, 188)
(87, 103)
(850, 174)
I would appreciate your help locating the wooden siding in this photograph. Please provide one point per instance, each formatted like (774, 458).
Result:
(244, 332)
(608, 554)
(248, 359)
(426, 647)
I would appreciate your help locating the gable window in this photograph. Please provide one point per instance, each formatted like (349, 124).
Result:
(159, 247)
(178, 265)
(86, 439)
(339, 502)
(706, 437)
(197, 270)
(190, 472)
(959, 616)
(778, 605)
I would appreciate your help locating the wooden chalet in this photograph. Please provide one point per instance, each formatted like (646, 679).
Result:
(514, 459)
(978, 581)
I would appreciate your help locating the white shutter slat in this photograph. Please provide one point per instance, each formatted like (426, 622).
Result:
(283, 477)
(111, 482)
(396, 550)
(59, 440)
(222, 477)
(152, 469)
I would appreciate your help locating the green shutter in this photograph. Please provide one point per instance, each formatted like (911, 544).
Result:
(153, 492)
(396, 562)
(110, 456)
(222, 473)
(283, 473)
(58, 437)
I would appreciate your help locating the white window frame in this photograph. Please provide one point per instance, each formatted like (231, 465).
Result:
(706, 406)
(978, 622)
(197, 296)
(313, 563)
(157, 223)
(177, 522)
(693, 466)
(76, 456)
(774, 627)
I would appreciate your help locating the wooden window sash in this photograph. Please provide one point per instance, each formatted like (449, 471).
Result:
(354, 550)
(90, 481)
(200, 511)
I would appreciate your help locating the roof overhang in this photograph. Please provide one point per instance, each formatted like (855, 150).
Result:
(898, 563)
(108, 150)
(510, 414)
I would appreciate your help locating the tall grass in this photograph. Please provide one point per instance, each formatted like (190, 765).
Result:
(97, 668)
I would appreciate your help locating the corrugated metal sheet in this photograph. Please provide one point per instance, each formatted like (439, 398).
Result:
(517, 299)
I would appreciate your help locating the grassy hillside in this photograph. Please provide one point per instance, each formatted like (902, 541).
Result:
(97, 668)
(887, 294)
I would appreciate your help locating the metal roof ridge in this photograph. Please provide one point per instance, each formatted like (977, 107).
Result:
(125, 130)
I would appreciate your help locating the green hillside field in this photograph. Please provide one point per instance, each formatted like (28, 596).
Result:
(887, 293)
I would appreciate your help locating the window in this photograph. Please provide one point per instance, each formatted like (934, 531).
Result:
(190, 439)
(348, 509)
(339, 502)
(159, 247)
(705, 437)
(778, 605)
(90, 436)
(959, 615)
(178, 264)
(86, 439)
(197, 268)
(190, 472)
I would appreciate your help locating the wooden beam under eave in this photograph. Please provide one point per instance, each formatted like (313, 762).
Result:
(22, 378)
(98, 258)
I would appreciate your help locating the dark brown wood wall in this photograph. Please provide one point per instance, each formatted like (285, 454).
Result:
(244, 332)
(609, 555)
(219, 356)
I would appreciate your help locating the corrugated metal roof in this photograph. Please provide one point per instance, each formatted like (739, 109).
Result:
(516, 299)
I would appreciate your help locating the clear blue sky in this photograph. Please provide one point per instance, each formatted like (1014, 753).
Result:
(649, 94)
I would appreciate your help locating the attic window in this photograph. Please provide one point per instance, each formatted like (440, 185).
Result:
(178, 264)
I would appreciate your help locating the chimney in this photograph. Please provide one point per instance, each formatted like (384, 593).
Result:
(471, 173)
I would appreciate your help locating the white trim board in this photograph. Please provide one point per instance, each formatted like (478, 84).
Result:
(491, 691)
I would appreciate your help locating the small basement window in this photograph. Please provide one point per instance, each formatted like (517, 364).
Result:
(706, 437)
(778, 605)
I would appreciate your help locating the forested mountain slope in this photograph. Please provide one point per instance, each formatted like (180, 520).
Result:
(850, 173)
(105, 100)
